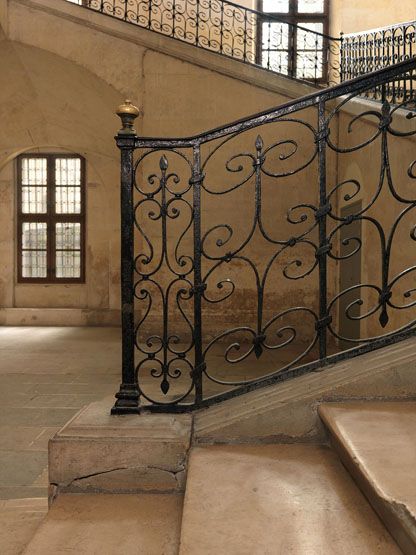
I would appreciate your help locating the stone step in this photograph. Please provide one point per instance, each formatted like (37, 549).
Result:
(276, 500)
(107, 524)
(376, 441)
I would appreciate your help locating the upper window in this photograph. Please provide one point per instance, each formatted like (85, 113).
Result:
(291, 50)
(51, 218)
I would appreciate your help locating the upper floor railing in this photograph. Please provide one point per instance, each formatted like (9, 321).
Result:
(266, 41)
(234, 31)
(371, 50)
(266, 248)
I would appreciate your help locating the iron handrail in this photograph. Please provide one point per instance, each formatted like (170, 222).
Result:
(356, 85)
(378, 29)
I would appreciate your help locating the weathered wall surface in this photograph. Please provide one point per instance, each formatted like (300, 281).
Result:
(61, 95)
(359, 15)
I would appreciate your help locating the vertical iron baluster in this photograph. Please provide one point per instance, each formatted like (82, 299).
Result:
(324, 246)
(173, 18)
(149, 24)
(128, 396)
(245, 36)
(221, 27)
(198, 287)
(197, 24)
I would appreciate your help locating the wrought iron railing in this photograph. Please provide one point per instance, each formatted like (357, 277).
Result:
(234, 31)
(369, 51)
(266, 248)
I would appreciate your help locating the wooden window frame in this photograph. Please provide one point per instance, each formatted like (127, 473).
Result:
(297, 18)
(51, 218)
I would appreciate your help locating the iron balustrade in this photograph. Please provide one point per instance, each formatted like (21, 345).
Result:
(236, 243)
(271, 43)
(369, 51)
(234, 31)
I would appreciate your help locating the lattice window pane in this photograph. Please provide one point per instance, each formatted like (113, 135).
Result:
(68, 200)
(68, 264)
(276, 6)
(68, 236)
(34, 235)
(310, 41)
(276, 61)
(34, 171)
(275, 36)
(34, 200)
(311, 6)
(34, 264)
(309, 65)
(68, 171)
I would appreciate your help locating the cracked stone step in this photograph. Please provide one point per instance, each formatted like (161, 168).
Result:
(99, 453)
(276, 500)
(86, 524)
(376, 442)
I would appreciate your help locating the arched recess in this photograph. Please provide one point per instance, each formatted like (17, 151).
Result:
(50, 104)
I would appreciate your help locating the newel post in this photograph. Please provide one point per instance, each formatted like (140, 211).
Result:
(128, 398)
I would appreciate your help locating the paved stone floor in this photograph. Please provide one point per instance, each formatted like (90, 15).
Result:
(46, 376)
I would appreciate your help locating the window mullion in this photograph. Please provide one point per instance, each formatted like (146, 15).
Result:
(50, 218)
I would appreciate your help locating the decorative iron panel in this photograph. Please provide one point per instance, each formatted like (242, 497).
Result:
(232, 243)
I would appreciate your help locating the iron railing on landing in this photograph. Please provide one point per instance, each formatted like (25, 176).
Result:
(234, 31)
(266, 41)
(369, 51)
(267, 248)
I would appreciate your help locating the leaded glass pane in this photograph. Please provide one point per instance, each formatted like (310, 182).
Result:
(68, 236)
(34, 200)
(310, 41)
(68, 200)
(34, 235)
(276, 61)
(309, 65)
(276, 6)
(34, 264)
(68, 264)
(275, 36)
(310, 6)
(67, 171)
(34, 171)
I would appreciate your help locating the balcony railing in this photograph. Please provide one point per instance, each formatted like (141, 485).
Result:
(247, 259)
(234, 31)
(265, 41)
(363, 53)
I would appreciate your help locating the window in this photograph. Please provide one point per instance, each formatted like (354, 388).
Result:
(288, 49)
(51, 218)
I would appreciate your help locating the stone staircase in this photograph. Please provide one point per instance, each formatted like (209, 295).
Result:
(325, 467)
(354, 496)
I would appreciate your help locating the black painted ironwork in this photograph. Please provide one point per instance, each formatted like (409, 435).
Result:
(369, 51)
(234, 280)
(234, 31)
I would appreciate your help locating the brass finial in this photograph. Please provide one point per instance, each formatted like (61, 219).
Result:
(127, 112)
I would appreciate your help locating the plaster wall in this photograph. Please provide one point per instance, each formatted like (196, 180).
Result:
(361, 15)
(63, 95)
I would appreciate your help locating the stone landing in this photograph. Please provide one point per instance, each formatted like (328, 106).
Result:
(99, 453)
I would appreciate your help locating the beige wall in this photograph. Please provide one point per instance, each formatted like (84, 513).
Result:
(359, 15)
(63, 94)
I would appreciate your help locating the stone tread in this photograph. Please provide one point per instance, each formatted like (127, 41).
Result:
(110, 524)
(276, 500)
(377, 443)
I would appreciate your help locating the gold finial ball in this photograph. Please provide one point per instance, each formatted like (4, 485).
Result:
(127, 112)
(128, 108)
